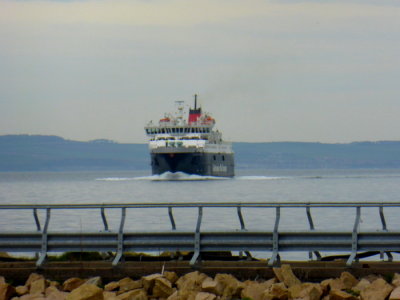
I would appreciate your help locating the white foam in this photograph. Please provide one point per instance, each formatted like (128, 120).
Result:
(167, 176)
(116, 179)
(250, 177)
(180, 176)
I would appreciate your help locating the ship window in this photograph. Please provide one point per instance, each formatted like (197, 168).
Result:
(223, 157)
(215, 158)
(163, 130)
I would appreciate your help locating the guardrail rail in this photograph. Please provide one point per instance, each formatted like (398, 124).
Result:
(44, 241)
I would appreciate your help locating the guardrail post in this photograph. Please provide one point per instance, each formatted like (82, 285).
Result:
(35, 216)
(384, 228)
(354, 239)
(311, 222)
(171, 218)
(120, 246)
(196, 253)
(43, 253)
(104, 218)
(275, 239)
(243, 228)
(38, 227)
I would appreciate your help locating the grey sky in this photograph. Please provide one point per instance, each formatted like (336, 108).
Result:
(266, 70)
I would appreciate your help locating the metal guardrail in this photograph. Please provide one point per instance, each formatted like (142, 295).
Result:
(43, 241)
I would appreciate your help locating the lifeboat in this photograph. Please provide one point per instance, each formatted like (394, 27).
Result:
(165, 120)
(208, 120)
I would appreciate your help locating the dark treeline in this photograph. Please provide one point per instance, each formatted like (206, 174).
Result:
(52, 153)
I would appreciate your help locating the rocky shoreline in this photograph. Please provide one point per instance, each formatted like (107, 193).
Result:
(199, 286)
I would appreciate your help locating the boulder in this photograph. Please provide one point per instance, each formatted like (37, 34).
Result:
(205, 296)
(127, 284)
(72, 284)
(50, 290)
(174, 296)
(33, 277)
(372, 277)
(377, 290)
(95, 280)
(171, 276)
(231, 286)
(38, 286)
(332, 284)
(209, 285)
(189, 285)
(52, 293)
(86, 292)
(6, 291)
(361, 285)
(348, 280)
(32, 297)
(162, 288)
(21, 290)
(255, 290)
(149, 281)
(341, 295)
(277, 291)
(396, 279)
(395, 294)
(306, 291)
(285, 275)
(138, 294)
(110, 295)
(111, 286)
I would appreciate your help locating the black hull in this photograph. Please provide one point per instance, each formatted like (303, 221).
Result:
(205, 164)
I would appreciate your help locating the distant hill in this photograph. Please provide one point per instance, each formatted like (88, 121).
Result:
(53, 153)
(295, 155)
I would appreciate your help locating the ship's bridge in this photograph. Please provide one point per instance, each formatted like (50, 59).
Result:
(169, 141)
(176, 130)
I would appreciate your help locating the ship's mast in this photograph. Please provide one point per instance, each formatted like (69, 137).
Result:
(179, 114)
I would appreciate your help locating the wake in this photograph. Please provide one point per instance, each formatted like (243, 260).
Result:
(180, 176)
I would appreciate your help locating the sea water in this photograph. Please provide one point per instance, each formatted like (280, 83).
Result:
(297, 186)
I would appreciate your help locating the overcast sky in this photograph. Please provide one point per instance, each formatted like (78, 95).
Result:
(326, 71)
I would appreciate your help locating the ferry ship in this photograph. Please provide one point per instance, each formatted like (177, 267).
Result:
(187, 142)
